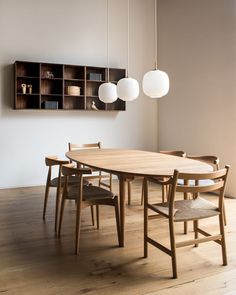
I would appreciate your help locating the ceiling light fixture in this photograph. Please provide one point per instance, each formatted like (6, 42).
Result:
(128, 88)
(107, 92)
(155, 83)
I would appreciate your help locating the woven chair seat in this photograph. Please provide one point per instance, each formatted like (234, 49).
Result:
(189, 209)
(72, 180)
(90, 192)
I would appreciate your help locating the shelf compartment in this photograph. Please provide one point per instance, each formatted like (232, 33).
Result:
(24, 101)
(117, 105)
(27, 81)
(115, 74)
(57, 98)
(72, 72)
(97, 71)
(51, 71)
(51, 87)
(26, 69)
(98, 103)
(74, 83)
(92, 88)
(74, 102)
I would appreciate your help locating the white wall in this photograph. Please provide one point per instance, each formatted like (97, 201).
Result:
(71, 31)
(197, 45)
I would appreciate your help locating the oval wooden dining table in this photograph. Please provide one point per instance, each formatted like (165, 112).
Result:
(127, 164)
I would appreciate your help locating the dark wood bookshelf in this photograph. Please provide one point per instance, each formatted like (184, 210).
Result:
(49, 85)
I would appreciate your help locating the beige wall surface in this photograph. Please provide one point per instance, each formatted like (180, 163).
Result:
(72, 32)
(197, 45)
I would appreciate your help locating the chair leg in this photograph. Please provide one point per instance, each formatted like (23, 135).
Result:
(61, 217)
(78, 223)
(45, 200)
(145, 210)
(129, 192)
(97, 215)
(224, 214)
(57, 208)
(173, 248)
(110, 179)
(185, 227)
(223, 245)
(163, 193)
(185, 223)
(167, 193)
(142, 194)
(117, 219)
(195, 227)
(92, 214)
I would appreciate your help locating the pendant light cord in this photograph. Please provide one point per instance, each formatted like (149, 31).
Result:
(155, 32)
(127, 74)
(108, 70)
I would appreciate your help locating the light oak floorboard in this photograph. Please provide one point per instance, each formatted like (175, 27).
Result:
(33, 261)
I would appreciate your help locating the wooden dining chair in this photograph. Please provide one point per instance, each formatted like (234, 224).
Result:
(100, 176)
(56, 182)
(214, 161)
(193, 209)
(164, 188)
(85, 196)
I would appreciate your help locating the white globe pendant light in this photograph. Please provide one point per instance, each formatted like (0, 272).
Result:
(155, 82)
(107, 92)
(127, 88)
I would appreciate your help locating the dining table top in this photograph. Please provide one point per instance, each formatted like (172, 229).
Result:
(136, 162)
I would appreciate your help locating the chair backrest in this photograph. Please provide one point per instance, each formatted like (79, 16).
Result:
(174, 153)
(51, 161)
(78, 146)
(82, 146)
(219, 178)
(214, 161)
(69, 170)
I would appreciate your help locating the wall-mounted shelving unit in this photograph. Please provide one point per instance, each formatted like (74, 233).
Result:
(49, 86)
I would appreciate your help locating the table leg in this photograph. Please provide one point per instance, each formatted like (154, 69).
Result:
(122, 210)
(186, 198)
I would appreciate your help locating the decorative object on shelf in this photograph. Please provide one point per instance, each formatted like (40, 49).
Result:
(93, 106)
(155, 82)
(49, 74)
(50, 105)
(29, 86)
(23, 88)
(94, 76)
(107, 92)
(73, 90)
(128, 88)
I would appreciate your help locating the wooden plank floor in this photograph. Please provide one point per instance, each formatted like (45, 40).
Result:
(33, 261)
